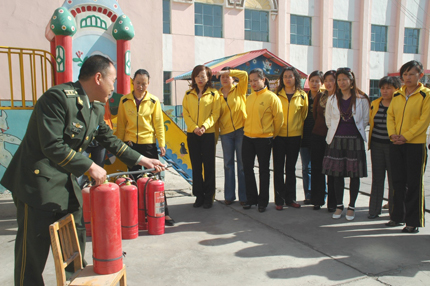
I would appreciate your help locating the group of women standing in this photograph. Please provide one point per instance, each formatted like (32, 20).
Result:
(326, 126)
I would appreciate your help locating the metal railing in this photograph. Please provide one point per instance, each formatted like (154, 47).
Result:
(31, 73)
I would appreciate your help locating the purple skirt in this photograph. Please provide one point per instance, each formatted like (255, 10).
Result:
(345, 157)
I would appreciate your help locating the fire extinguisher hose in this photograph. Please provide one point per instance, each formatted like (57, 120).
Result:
(133, 172)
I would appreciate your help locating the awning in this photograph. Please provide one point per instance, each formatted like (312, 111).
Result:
(270, 63)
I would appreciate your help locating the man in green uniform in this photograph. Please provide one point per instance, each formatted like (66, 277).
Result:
(42, 174)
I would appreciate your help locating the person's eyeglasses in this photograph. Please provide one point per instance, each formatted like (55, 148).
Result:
(344, 69)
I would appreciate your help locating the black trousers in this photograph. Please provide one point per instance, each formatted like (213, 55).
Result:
(285, 154)
(33, 241)
(262, 148)
(408, 162)
(150, 151)
(339, 187)
(202, 155)
(318, 179)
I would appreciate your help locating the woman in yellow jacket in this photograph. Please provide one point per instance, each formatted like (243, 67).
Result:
(201, 108)
(379, 143)
(140, 122)
(408, 118)
(231, 122)
(287, 145)
(263, 122)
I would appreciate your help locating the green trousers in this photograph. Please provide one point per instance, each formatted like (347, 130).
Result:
(33, 241)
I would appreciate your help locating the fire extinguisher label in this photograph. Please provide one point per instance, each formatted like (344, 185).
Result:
(159, 204)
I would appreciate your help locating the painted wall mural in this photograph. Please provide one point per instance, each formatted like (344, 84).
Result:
(11, 134)
(77, 30)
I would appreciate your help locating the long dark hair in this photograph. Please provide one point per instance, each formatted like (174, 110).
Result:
(195, 73)
(354, 88)
(261, 75)
(297, 82)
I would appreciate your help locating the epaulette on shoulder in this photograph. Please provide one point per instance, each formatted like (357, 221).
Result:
(302, 96)
(188, 92)
(423, 94)
(153, 100)
(397, 94)
(371, 107)
(124, 100)
(213, 93)
(70, 93)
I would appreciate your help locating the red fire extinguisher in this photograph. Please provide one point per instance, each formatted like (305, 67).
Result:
(106, 228)
(141, 183)
(86, 209)
(156, 206)
(121, 179)
(129, 220)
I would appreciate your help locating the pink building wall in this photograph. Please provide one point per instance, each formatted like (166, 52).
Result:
(23, 24)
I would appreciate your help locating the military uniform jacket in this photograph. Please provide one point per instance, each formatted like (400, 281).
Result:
(44, 168)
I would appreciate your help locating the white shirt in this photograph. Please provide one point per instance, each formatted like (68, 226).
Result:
(360, 113)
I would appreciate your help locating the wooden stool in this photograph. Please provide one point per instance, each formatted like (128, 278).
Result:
(66, 250)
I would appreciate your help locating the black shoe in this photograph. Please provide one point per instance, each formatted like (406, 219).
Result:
(307, 202)
(331, 210)
(392, 223)
(317, 208)
(247, 205)
(372, 216)
(198, 203)
(261, 209)
(410, 229)
(169, 222)
(207, 205)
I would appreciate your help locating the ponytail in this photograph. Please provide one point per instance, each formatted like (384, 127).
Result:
(267, 83)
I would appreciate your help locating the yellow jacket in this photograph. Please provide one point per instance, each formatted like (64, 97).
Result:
(233, 108)
(410, 118)
(140, 127)
(265, 115)
(295, 112)
(202, 111)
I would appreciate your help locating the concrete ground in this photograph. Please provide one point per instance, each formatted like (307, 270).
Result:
(226, 245)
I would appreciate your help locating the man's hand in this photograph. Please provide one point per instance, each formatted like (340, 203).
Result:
(97, 173)
(163, 151)
(152, 164)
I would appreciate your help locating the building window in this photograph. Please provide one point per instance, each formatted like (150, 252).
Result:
(300, 33)
(341, 34)
(374, 89)
(378, 38)
(167, 89)
(256, 25)
(208, 20)
(166, 16)
(412, 37)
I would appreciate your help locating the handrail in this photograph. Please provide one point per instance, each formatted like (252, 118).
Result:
(34, 63)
